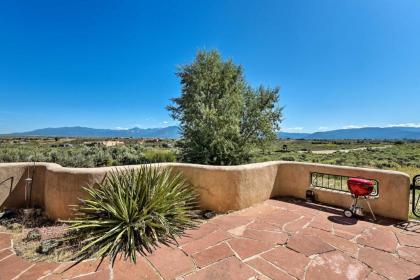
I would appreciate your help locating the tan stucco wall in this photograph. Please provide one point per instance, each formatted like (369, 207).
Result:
(221, 188)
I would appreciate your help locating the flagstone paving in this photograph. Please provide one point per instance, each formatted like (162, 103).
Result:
(277, 239)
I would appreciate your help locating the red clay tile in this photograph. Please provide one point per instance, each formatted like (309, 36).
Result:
(277, 203)
(227, 269)
(269, 269)
(100, 275)
(379, 239)
(339, 243)
(321, 223)
(126, 270)
(292, 262)
(246, 248)
(388, 265)
(411, 254)
(297, 225)
(212, 255)
(5, 253)
(171, 262)
(257, 211)
(67, 270)
(12, 266)
(347, 227)
(197, 233)
(205, 242)
(227, 222)
(259, 225)
(412, 240)
(344, 234)
(5, 241)
(334, 266)
(374, 276)
(308, 244)
(38, 270)
(266, 236)
(260, 229)
(302, 208)
(280, 219)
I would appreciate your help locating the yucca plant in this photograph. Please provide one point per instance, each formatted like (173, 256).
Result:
(131, 212)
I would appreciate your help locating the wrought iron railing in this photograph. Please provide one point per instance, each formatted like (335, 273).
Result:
(415, 199)
(337, 182)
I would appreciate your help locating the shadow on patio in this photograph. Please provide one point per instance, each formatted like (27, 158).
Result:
(277, 239)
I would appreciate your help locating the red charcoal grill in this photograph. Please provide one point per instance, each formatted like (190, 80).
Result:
(359, 187)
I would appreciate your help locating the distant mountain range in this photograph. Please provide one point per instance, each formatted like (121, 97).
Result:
(377, 133)
(77, 131)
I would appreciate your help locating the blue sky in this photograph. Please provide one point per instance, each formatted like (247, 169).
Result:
(109, 64)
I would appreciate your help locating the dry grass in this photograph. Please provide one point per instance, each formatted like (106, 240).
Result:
(412, 171)
(28, 250)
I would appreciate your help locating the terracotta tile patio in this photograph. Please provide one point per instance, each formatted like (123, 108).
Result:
(277, 239)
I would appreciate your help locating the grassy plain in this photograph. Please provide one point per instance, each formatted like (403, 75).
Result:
(88, 152)
(398, 155)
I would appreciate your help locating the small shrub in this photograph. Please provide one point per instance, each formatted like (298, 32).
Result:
(153, 156)
(288, 158)
(131, 212)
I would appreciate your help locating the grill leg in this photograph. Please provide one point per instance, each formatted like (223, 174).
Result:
(354, 204)
(370, 208)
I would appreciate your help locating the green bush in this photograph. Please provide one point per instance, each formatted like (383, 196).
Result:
(153, 156)
(131, 212)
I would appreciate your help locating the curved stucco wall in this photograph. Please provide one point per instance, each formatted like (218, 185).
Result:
(221, 188)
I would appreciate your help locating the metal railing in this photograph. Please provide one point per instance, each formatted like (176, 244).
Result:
(415, 199)
(337, 182)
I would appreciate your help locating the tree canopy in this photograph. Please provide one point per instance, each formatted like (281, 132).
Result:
(222, 118)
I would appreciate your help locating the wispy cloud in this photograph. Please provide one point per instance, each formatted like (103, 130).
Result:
(351, 126)
(323, 128)
(121, 128)
(404, 125)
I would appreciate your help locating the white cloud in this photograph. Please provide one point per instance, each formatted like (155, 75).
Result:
(292, 129)
(404, 125)
(323, 128)
(121, 128)
(351, 126)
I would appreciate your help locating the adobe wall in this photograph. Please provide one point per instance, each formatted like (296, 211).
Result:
(221, 188)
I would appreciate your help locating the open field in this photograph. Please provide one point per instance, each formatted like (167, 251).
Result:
(402, 156)
(87, 152)
(398, 155)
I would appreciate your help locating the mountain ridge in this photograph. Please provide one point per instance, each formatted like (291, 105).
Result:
(79, 131)
(374, 133)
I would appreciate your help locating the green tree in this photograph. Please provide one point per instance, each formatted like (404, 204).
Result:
(222, 119)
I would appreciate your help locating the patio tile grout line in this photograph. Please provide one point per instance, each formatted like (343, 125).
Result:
(153, 267)
(23, 271)
(111, 270)
(4, 249)
(292, 221)
(12, 254)
(353, 240)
